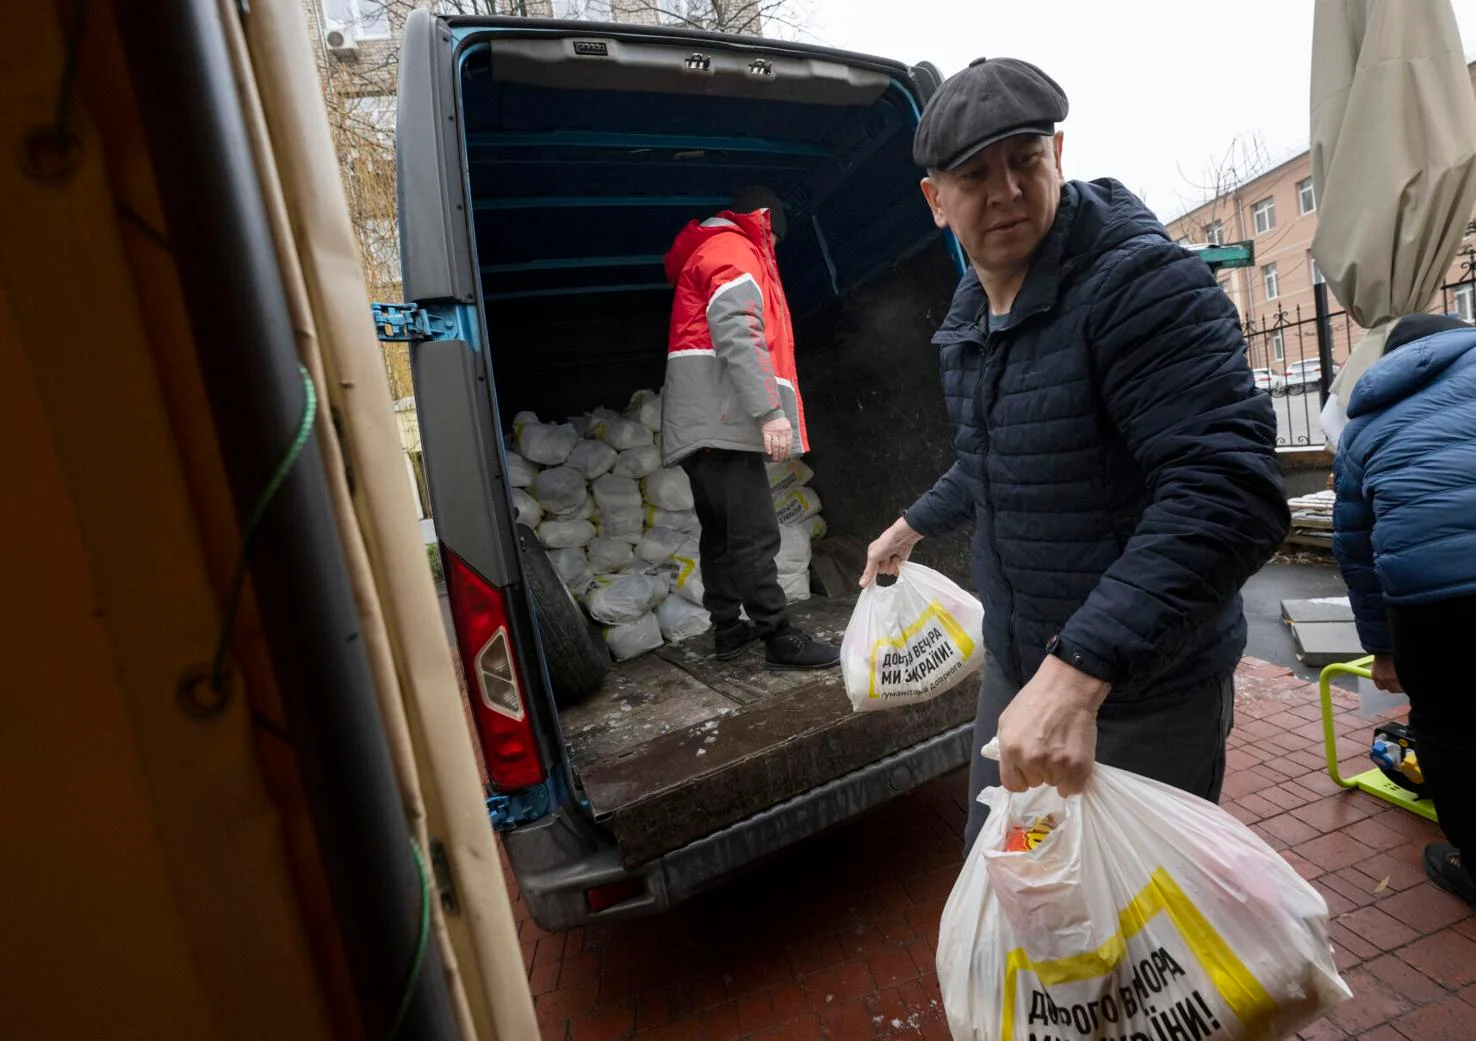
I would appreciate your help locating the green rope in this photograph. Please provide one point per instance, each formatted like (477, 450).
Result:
(421, 943)
(253, 526)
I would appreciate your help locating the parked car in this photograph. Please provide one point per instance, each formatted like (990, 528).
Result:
(1271, 382)
(1303, 375)
(544, 169)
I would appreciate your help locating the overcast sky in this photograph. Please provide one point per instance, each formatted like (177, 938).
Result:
(1161, 90)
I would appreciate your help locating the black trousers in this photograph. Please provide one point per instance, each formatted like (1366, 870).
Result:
(740, 539)
(1428, 643)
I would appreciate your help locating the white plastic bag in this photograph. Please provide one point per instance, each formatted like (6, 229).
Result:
(680, 619)
(622, 600)
(794, 550)
(572, 567)
(1133, 910)
(659, 543)
(636, 463)
(817, 527)
(681, 520)
(616, 431)
(789, 474)
(560, 489)
(631, 641)
(614, 493)
(687, 576)
(526, 509)
(607, 554)
(796, 586)
(546, 445)
(645, 409)
(592, 459)
(668, 489)
(627, 523)
(520, 472)
(910, 641)
(570, 534)
(796, 505)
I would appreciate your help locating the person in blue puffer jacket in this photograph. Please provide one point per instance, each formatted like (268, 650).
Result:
(1405, 538)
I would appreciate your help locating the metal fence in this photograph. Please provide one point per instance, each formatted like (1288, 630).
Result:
(1295, 355)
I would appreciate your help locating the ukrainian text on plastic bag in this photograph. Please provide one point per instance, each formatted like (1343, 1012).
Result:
(910, 641)
(1135, 911)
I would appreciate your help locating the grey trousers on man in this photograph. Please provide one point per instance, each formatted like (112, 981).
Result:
(1177, 737)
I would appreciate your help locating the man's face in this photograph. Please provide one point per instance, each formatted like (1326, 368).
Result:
(1002, 202)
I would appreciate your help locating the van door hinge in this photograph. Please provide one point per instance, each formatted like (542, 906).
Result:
(406, 323)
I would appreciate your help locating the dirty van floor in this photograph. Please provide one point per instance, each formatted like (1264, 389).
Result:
(835, 939)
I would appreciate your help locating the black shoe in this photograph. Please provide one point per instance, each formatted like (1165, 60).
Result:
(1443, 865)
(733, 640)
(793, 649)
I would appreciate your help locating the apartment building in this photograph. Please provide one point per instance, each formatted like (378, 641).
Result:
(1277, 210)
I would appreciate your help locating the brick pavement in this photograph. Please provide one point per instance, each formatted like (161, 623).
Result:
(835, 938)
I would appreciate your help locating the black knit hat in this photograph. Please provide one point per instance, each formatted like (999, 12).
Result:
(758, 197)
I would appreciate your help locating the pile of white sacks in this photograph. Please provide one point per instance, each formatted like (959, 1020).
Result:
(621, 530)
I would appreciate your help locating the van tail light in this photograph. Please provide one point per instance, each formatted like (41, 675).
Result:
(484, 639)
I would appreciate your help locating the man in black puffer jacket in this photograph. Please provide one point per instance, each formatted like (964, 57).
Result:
(1113, 452)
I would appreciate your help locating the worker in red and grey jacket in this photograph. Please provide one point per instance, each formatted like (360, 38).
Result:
(731, 400)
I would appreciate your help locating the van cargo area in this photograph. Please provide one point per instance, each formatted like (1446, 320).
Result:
(586, 155)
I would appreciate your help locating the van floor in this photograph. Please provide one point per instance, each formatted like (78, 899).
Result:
(676, 744)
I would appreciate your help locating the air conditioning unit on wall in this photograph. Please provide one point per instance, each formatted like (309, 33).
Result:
(342, 43)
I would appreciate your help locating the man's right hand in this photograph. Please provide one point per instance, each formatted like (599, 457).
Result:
(778, 439)
(887, 553)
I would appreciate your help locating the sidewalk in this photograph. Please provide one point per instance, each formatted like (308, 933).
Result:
(835, 939)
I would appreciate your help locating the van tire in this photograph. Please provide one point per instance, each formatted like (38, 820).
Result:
(576, 654)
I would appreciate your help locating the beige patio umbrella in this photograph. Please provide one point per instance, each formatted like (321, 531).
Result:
(1393, 162)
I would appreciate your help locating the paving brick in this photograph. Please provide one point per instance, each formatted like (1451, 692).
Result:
(1468, 995)
(789, 1002)
(1301, 865)
(567, 1002)
(894, 929)
(720, 1023)
(755, 1012)
(924, 919)
(1333, 812)
(579, 969)
(844, 983)
(1373, 833)
(1379, 929)
(1401, 977)
(1240, 813)
(1401, 875)
(1447, 957)
(1259, 806)
(1323, 1030)
(1448, 1020)
(804, 1028)
(1351, 885)
(530, 951)
(1288, 829)
(1373, 1003)
(1466, 928)
(1337, 903)
(1334, 851)
(618, 985)
(890, 968)
(605, 1024)
(543, 978)
(1408, 824)
(814, 955)
(846, 1023)
(1238, 785)
(1426, 909)
(685, 1030)
(1352, 942)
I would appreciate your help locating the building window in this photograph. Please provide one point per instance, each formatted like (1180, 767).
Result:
(1317, 278)
(1273, 287)
(1463, 302)
(1263, 214)
(1306, 197)
(371, 117)
(1214, 234)
(1278, 345)
(368, 18)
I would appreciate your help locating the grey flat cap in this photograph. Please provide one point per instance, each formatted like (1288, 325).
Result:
(992, 99)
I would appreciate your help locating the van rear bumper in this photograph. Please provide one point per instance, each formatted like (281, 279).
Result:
(557, 859)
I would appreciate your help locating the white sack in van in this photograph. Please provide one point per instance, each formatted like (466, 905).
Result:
(557, 534)
(526, 509)
(645, 409)
(796, 586)
(638, 462)
(789, 474)
(816, 526)
(606, 555)
(572, 567)
(623, 599)
(681, 520)
(625, 523)
(520, 472)
(560, 490)
(617, 431)
(794, 550)
(688, 581)
(681, 619)
(668, 489)
(546, 445)
(592, 459)
(615, 493)
(631, 641)
(659, 544)
(796, 505)
(521, 420)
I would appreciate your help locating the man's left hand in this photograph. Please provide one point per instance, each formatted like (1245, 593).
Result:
(1048, 735)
